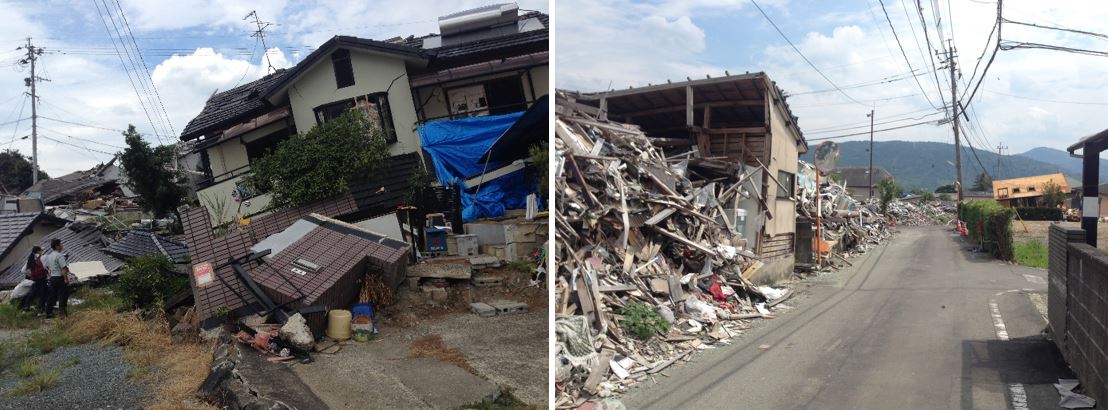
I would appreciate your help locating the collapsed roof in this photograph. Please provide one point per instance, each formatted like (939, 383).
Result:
(83, 242)
(139, 243)
(14, 227)
(57, 191)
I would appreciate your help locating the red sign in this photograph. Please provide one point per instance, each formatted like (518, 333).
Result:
(203, 274)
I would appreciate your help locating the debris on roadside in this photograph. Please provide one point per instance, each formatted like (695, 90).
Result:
(652, 262)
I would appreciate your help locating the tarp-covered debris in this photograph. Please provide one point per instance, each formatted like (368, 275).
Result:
(456, 146)
(642, 240)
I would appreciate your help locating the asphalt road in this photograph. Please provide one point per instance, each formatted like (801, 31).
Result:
(910, 326)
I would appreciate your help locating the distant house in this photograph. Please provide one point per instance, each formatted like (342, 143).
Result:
(486, 61)
(1026, 191)
(857, 180)
(976, 195)
(20, 231)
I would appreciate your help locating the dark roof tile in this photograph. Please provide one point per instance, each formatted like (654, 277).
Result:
(138, 243)
(83, 243)
(234, 105)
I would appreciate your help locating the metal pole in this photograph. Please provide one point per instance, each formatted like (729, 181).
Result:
(1090, 176)
(34, 113)
(957, 138)
(870, 154)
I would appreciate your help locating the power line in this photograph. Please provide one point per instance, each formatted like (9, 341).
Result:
(886, 80)
(1046, 100)
(936, 123)
(905, 54)
(867, 125)
(83, 139)
(126, 70)
(927, 39)
(848, 102)
(146, 69)
(134, 67)
(1088, 33)
(797, 50)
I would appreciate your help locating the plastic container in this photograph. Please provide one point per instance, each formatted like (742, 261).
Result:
(338, 324)
(362, 309)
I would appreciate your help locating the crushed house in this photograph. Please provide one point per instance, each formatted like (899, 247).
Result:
(84, 244)
(742, 119)
(489, 62)
(21, 231)
(857, 180)
(1027, 191)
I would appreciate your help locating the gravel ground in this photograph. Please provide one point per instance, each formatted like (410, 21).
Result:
(91, 376)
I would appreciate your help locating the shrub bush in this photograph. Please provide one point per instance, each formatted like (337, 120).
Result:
(989, 223)
(150, 280)
(1039, 214)
(642, 321)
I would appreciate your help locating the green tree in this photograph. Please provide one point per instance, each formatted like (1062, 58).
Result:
(150, 280)
(150, 175)
(15, 172)
(983, 182)
(538, 156)
(1053, 195)
(946, 189)
(318, 164)
(927, 196)
(888, 190)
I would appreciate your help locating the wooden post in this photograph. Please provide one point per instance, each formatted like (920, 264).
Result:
(689, 107)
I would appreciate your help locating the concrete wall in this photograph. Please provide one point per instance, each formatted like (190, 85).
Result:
(372, 73)
(1077, 307)
(775, 270)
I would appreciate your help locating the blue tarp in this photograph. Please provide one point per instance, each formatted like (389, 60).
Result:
(456, 146)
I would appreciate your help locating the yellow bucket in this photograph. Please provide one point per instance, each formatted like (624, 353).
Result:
(338, 324)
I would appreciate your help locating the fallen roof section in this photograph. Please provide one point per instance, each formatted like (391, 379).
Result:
(83, 242)
(139, 243)
(237, 104)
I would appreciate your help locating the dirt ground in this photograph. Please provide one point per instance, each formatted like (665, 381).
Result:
(1040, 230)
(411, 308)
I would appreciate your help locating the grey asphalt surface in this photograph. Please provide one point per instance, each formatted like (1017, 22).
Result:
(907, 327)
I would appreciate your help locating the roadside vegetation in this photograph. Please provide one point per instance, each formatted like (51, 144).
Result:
(1031, 253)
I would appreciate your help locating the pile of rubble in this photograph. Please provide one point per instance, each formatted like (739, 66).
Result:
(651, 269)
(923, 214)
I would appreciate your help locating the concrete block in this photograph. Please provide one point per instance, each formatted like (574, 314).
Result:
(434, 293)
(520, 250)
(484, 261)
(467, 245)
(508, 307)
(482, 309)
(453, 269)
(487, 281)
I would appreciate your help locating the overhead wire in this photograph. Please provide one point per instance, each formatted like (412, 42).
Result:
(127, 71)
(805, 58)
(904, 53)
(146, 69)
(876, 131)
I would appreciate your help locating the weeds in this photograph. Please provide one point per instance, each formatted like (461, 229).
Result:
(48, 340)
(642, 321)
(433, 347)
(13, 318)
(522, 265)
(38, 383)
(27, 368)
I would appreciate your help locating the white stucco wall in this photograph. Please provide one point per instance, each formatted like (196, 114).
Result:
(372, 73)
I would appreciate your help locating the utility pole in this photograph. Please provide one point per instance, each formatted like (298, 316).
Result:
(32, 56)
(260, 34)
(953, 65)
(870, 153)
(999, 154)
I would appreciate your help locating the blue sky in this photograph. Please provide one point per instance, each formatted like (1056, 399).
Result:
(191, 49)
(624, 43)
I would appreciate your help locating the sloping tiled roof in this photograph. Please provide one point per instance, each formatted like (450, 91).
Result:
(12, 228)
(82, 242)
(138, 243)
(859, 176)
(400, 50)
(232, 105)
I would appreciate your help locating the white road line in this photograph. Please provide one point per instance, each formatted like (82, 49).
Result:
(1034, 279)
(1016, 390)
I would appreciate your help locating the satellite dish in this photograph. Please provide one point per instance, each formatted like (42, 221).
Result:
(827, 156)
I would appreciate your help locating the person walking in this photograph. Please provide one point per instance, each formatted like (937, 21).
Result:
(36, 273)
(58, 268)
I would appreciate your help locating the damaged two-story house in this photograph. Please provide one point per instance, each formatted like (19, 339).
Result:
(484, 62)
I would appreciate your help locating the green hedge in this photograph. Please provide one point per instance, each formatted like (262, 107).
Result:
(1039, 214)
(989, 223)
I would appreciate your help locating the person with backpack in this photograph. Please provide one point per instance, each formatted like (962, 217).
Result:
(37, 273)
(58, 268)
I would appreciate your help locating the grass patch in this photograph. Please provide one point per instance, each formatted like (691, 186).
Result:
(48, 340)
(98, 299)
(13, 352)
(13, 318)
(1031, 253)
(38, 383)
(522, 265)
(27, 368)
(433, 347)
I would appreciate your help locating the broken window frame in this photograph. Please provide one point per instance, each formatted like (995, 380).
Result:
(786, 179)
(375, 106)
(487, 108)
